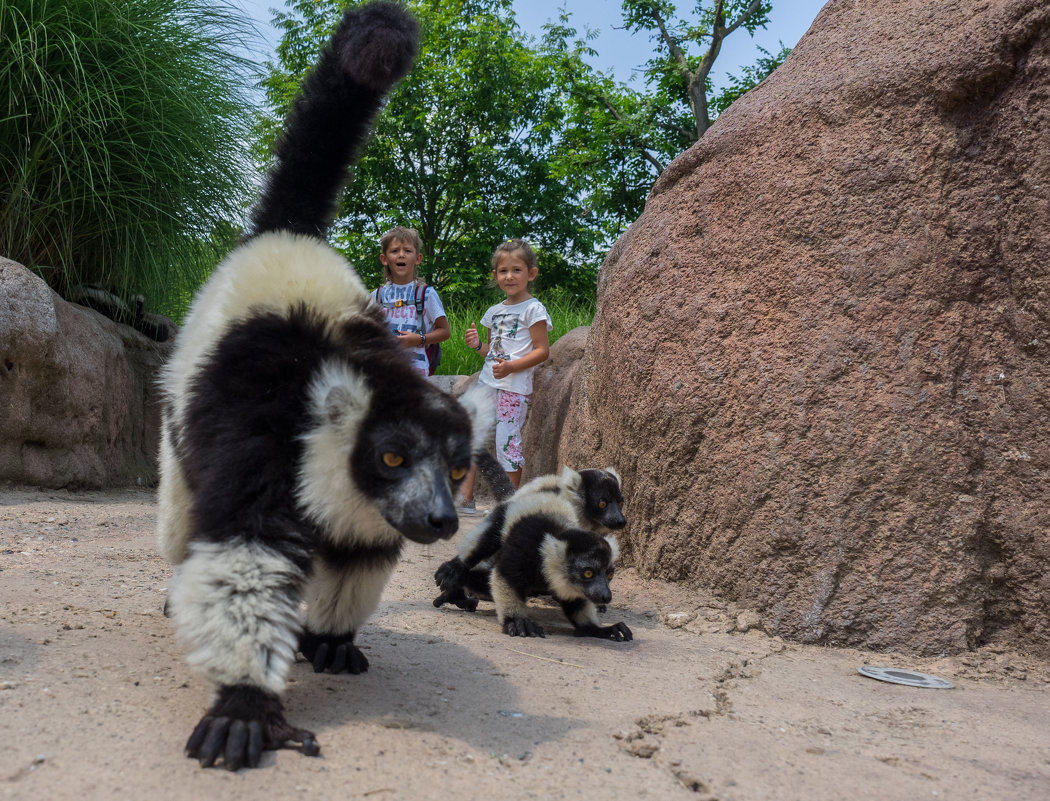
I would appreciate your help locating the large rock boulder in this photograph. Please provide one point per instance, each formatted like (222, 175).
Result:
(552, 386)
(822, 355)
(78, 399)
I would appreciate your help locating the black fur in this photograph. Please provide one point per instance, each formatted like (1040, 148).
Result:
(524, 567)
(601, 499)
(331, 118)
(243, 462)
(241, 418)
(378, 555)
(244, 722)
(494, 474)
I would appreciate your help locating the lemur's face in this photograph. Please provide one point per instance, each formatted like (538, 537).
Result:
(392, 451)
(402, 259)
(602, 498)
(591, 572)
(411, 471)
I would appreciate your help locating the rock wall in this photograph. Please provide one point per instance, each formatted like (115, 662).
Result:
(822, 354)
(544, 435)
(78, 402)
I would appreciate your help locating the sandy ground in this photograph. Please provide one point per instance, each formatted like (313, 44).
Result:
(96, 701)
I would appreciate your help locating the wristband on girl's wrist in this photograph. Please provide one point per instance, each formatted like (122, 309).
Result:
(479, 347)
(422, 340)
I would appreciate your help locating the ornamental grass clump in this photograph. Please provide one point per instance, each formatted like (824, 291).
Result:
(124, 129)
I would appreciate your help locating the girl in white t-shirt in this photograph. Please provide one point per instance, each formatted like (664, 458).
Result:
(403, 294)
(517, 342)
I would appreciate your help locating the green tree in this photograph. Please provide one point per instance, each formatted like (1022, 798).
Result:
(651, 127)
(675, 72)
(462, 152)
(611, 141)
(120, 136)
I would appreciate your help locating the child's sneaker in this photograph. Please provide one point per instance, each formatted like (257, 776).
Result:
(468, 508)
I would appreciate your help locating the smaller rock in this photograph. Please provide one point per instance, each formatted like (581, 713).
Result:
(748, 620)
(676, 620)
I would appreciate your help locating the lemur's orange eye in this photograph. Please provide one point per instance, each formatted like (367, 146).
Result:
(392, 459)
(588, 574)
(602, 504)
(457, 473)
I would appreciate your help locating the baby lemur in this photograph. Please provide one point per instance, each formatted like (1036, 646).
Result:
(538, 543)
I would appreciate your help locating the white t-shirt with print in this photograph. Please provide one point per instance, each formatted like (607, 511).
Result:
(509, 339)
(399, 303)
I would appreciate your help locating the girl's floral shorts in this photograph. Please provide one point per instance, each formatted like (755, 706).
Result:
(511, 409)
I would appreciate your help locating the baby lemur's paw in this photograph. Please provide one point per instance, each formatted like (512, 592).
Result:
(457, 598)
(618, 632)
(522, 627)
(451, 575)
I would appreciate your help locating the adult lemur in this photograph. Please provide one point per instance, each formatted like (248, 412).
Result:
(548, 538)
(299, 447)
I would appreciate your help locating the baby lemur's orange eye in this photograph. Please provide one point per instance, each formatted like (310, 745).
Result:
(588, 574)
(392, 459)
(602, 504)
(457, 473)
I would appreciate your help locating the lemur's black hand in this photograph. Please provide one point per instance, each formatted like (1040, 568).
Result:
(336, 653)
(244, 722)
(451, 575)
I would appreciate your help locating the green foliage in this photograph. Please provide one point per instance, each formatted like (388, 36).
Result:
(119, 135)
(643, 131)
(461, 153)
(679, 72)
(491, 136)
(567, 312)
(610, 144)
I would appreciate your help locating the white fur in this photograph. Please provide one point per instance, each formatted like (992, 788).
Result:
(233, 611)
(272, 272)
(555, 496)
(480, 403)
(508, 602)
(552, 562)
(469, 541)
(339, 402)
(566, 508)
(615, 545)
(340, 600)
(173, 504)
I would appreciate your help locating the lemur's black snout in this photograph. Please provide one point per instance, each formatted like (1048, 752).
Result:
(443, 524)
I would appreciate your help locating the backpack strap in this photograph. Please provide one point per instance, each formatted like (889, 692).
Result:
(421, 294)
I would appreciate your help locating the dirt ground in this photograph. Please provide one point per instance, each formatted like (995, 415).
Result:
(96, 701)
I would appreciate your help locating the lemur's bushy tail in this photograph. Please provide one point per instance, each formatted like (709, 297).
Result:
(372, 48)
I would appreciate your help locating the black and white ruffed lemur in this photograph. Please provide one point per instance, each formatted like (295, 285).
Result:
(549, 538)
(300, 449)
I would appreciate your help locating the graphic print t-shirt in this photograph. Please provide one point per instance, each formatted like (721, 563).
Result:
(399, 303)
(509, 339)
